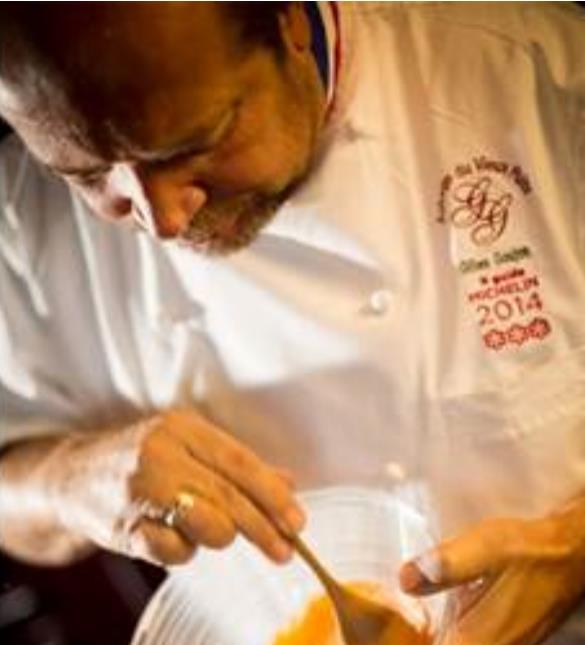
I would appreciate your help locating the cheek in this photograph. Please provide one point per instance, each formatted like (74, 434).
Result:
(269, 146)
(269, 162)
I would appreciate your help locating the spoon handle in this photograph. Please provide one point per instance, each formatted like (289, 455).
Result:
(311, 559)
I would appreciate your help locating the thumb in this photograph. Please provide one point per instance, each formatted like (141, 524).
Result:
(479, 552)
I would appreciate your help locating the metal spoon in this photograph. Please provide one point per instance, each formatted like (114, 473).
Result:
(362, 621)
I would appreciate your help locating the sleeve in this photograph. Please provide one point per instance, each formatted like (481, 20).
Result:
(28, 405)
(81, 342)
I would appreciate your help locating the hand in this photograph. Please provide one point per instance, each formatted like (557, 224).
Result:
(516, 579)
(115, 486)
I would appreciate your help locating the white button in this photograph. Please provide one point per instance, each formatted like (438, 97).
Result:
(379, 302)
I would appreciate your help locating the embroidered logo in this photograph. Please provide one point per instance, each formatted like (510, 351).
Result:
(502, 286)
(477, 196)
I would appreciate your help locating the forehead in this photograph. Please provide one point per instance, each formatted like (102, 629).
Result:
(133, 74)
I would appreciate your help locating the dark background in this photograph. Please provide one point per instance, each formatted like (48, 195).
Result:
(95, 602)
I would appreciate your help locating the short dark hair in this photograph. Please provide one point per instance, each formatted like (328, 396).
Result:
(257, 23)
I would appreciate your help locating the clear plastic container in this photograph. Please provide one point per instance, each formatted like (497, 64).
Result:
(238, 597)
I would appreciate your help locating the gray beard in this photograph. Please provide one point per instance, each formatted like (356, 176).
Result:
(251, 214)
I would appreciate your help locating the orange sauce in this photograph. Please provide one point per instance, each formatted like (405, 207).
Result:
(318, 624)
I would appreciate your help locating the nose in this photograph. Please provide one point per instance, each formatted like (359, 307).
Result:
(169, 212)
(162, 203)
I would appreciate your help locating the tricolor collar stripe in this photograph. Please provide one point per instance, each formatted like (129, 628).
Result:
(330, 15)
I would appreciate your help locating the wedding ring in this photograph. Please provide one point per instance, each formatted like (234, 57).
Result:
(182, 503)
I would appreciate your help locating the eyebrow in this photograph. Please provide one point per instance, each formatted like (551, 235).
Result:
(199, 141)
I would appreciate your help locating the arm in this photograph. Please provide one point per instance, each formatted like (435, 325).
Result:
(112, 487)
(30, 528)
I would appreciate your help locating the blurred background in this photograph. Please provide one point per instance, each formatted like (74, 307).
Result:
(94, 602)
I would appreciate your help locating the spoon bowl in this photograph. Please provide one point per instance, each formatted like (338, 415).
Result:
(362, 621)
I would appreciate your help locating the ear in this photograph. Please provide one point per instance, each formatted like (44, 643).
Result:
(295, 28)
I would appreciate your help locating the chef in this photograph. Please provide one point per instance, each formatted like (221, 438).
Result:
(333, 244)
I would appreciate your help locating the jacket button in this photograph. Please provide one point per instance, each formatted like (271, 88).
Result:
(378, 303)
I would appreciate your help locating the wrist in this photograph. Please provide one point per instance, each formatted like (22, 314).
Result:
(31, 526)
(55, 478)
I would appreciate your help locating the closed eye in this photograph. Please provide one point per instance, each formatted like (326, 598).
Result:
(195, 147)
(88, 178)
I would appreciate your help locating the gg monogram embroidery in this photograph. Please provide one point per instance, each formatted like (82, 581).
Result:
(477, 196)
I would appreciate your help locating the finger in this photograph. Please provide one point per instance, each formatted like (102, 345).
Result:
(189, 475)
(286, 476)
(150, 540)
(478, 553)
(234, 461)
(207, 525)
(253, 524)
(247, 518)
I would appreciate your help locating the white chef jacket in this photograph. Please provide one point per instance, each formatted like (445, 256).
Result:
(414, 313)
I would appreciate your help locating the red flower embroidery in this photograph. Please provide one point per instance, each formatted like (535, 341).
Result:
(517, 334)
(539, 328)
(494, 339)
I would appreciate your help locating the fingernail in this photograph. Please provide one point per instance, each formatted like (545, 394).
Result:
(411, 578)
(421, 575)
(281, 552)
(295, 518)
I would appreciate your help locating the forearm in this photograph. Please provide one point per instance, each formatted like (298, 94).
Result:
(112, 487)
(30, 528)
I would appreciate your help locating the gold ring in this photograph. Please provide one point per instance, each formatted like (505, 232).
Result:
(182, 503)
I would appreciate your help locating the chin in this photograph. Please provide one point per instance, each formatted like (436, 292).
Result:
(216, 244)
(233, 227)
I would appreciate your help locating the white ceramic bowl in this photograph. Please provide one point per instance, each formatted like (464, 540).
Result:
(237, 597)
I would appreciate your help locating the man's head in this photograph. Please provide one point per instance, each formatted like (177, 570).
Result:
(195, 119)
